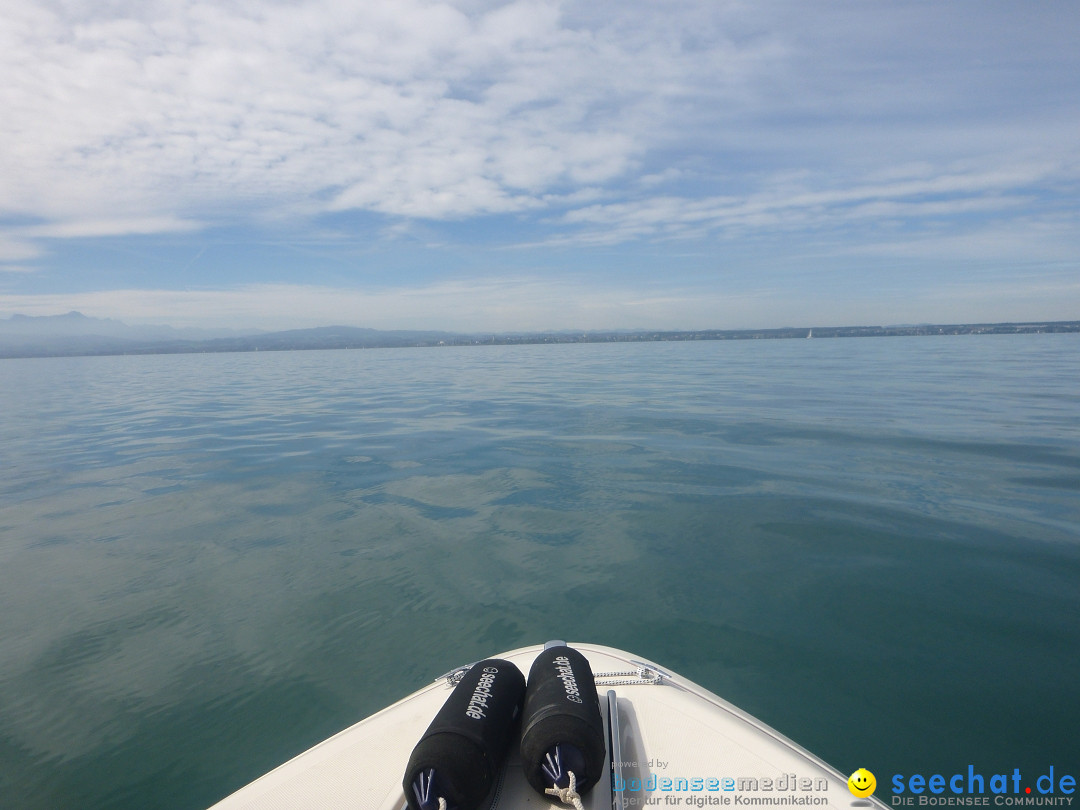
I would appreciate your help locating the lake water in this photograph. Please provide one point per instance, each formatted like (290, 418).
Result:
(210, 562)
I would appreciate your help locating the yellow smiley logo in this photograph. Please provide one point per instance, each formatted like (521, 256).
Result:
(861, 783)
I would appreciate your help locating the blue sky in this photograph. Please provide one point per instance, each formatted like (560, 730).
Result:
(540, 165)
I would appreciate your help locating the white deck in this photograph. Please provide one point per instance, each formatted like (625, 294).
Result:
(675, 731)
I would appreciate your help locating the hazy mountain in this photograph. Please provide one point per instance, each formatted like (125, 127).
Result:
(75, 324)
(76, 334)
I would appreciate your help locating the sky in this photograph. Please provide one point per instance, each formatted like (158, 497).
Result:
(540, 165)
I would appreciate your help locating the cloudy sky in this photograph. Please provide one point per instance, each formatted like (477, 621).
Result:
(540, 164)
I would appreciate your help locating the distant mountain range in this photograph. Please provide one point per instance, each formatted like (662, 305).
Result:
(75, 324)
(76, 334)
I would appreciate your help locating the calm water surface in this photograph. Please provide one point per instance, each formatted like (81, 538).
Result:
(210, 562)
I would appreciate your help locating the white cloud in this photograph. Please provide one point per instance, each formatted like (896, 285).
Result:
(998, 247)
(785, 129)
(15, 249)
(196, 109)
(109, 227)
(791, 204)
(411, 108)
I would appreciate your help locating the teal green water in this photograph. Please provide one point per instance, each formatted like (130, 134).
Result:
(210, 562)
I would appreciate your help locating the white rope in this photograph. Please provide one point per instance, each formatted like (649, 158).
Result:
(567, 795)
(442, 803)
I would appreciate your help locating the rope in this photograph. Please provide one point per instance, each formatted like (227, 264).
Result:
(442, 803)
(567, 795)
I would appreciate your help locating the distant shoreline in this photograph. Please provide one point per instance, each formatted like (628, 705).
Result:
(342, 337)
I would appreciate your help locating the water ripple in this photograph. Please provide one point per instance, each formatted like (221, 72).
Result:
(209, 562)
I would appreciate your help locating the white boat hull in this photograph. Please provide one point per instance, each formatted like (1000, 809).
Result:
(677, 745)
